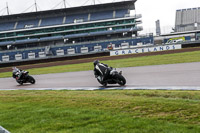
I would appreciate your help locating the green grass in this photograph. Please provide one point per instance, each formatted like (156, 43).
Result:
(129, 62)
(104, 111)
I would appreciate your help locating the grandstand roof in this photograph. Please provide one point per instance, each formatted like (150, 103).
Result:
(130, 4)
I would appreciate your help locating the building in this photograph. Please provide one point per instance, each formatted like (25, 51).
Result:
(187, 20)
(158, 31)
(69, 31)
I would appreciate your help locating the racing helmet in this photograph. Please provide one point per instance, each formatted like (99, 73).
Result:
(15, 69)
(96, 62)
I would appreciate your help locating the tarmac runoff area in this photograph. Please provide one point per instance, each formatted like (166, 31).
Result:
(185, 76)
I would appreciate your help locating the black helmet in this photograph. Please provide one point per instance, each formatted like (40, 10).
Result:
(96, 62)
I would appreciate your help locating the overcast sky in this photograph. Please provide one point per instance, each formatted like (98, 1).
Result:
(151, 10)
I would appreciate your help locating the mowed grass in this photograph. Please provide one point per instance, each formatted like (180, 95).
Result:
(102, 111)
(185, 57)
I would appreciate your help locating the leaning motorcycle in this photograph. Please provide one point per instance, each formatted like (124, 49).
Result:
(114, 77)
(24, 77)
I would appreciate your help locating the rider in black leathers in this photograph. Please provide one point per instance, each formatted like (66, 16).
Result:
(101, 70)
(17, 73)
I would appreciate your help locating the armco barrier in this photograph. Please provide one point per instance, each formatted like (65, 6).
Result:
(191, 44)
(81, 56)
(52, 59)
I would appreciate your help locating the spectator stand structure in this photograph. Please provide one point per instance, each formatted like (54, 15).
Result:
(70, 31)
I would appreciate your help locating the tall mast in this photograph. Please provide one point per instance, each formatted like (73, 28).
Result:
(36, 6)
(7, 8)
(64, 3)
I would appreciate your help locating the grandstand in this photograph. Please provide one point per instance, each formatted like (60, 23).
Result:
(69, 31)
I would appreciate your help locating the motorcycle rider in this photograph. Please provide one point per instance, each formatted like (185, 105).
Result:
(22, 76)
(17, 73)
(101, 70)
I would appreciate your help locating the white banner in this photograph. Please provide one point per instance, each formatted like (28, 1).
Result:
(97, 48)
(42, 54)
(144, 50)
(18, 57)
(84, 50)
(31, 55)
(125, 45)
(71, 51)
(60, 52)
(6, 58)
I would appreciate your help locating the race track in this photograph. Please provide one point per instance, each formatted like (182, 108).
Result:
(173, 76)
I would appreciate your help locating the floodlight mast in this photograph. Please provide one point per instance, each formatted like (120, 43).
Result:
(36, 6)
(7, 8)
(64, 4)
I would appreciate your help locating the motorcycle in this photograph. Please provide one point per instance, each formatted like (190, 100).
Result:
(23, 77)
(114, 77)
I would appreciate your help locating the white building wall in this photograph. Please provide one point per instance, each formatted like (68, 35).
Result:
(187, 19)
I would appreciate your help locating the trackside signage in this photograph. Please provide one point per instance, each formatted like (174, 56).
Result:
(144, 50)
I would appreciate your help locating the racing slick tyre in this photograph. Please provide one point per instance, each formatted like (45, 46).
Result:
(31, 80)
(20, 82)
(102, 83)
(121, 79)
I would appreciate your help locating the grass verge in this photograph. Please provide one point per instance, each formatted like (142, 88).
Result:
(110, 111)
(129, 62)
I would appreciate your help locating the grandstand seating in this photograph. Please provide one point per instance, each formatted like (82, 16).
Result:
(59, 20)
(27, 24)
(52, 21)
(6, 43)
(7, 26)
(76, 35)
(71, 18)
(101, 15)
(53, 49)
(95, 26)
(67, 36)
(25, 41)
(51, 38)
(121, 13)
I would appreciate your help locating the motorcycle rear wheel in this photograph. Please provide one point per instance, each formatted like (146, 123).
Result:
(104, 83)
(20, 82)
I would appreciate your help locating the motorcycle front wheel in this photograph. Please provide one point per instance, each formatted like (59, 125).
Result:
(31, 79)
(121, 79)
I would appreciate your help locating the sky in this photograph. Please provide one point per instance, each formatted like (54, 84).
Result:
(164, 10)
(151, 10)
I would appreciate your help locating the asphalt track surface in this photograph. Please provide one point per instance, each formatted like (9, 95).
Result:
(184, 76)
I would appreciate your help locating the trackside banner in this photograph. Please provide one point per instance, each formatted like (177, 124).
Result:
(144, 50)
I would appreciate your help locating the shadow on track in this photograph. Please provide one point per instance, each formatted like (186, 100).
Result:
(117, 87)
(24, 85)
